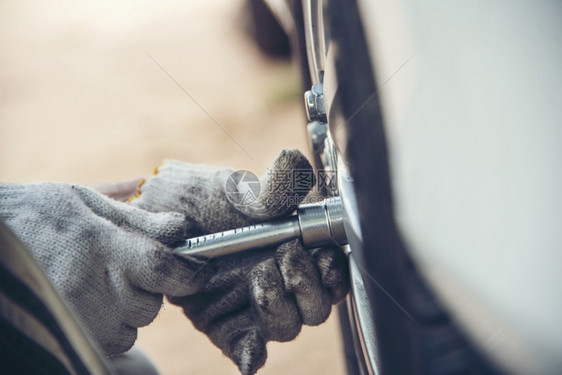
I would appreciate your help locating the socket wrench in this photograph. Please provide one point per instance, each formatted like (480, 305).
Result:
(316, 225)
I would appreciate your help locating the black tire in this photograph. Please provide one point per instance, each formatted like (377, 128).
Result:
(415, 333)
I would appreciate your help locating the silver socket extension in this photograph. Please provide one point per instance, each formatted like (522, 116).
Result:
(316, 225)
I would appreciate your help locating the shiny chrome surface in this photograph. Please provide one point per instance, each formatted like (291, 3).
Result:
(317, 224)
(349, 206)
(241, 239)
(314, 103)
(329, 159)
(315, 38)
(317, 133)
(359, 308)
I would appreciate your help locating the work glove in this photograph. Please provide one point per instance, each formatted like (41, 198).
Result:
(255, 297)
(109, 261)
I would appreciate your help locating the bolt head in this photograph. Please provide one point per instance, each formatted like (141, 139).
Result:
(314, 103)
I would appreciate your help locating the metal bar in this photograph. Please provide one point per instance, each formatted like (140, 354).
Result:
(317, 225)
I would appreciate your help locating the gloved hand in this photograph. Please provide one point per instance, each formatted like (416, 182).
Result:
(258, 297)
(108, 260)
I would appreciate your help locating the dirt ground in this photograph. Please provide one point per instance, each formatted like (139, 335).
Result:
(83, 99)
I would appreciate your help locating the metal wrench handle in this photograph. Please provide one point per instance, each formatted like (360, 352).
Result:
(316, 224)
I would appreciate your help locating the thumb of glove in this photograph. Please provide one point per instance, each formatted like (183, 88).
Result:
(285, 184)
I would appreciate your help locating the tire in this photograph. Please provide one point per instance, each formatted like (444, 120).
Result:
(415, 333)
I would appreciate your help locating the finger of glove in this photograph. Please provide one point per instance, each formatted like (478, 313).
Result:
(249, 351)
(240, 339)
(163, 227)
(275, 309)
(178, 187)
(224, 294)
(209, 195)
(283, 187)
(302, 279)
(156, 269)
(142, 307)
(194, 190)
(334, 271)
(234, 332)
(122, 340)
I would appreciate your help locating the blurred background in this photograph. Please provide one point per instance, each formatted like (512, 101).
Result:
(89, 94)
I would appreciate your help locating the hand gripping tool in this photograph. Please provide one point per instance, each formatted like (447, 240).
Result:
(315, 224)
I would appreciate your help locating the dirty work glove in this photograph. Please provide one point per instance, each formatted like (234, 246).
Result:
(259, 297)
(108, 260)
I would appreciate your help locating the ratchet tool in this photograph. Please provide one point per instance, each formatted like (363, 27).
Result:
(316, 225)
